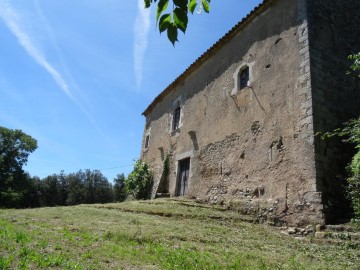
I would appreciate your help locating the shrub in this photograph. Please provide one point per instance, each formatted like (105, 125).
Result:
(354, 184)
(140, 181)
(355, 66)
(351, 133)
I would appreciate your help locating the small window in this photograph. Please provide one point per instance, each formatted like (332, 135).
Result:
(176, 118)
(147, 139)
(244, 77)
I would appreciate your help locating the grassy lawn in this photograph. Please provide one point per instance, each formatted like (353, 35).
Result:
(158, 234)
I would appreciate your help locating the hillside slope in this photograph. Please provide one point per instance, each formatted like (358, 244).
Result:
(158, 234)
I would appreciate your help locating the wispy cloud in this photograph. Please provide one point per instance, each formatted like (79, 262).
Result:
(13, 21)
(65, 71)
(141, 31)
(17, 26)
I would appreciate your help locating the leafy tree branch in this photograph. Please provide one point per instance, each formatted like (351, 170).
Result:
(355, 67)
(177, 18)
(351, 134)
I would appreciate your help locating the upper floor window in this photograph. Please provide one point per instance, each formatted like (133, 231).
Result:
(176, 117)
(147, 140)
(244, 77)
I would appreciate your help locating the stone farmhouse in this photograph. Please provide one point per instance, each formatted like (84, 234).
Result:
(239, 125)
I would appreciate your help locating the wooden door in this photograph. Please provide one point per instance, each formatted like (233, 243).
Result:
(183, 177)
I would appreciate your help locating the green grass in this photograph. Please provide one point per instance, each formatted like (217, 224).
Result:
(159, 234)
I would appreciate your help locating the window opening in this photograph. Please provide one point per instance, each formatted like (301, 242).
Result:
(244, 77)
(176, 120)
(147, 138)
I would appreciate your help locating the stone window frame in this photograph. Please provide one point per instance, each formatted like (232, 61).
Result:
(176, 119)
(243, 77)
(236, 76)
(147, 139)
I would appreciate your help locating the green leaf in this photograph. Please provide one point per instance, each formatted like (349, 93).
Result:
(180, 19)
(147, 3)
(181, 4)
(192, 5)
(172, 33)
(162, 5)
(164, 22)
(206, 5)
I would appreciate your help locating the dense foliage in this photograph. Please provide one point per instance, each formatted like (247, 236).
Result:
(351, 133)
(177, 18)
(20, 190)
(140, 181)
(15, 147)
(75, 188)
(120, 193)
(355, 67)
(63, 189)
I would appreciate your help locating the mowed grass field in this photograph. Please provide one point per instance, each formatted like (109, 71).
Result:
(158, 234)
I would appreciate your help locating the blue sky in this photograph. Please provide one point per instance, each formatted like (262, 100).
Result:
(76, 75)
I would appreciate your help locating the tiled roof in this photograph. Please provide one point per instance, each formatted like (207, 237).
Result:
(214, 48)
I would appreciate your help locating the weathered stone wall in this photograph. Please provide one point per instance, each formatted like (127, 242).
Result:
(251, 148)
(334, 34)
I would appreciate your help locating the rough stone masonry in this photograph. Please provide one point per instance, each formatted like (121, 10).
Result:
(239, 125)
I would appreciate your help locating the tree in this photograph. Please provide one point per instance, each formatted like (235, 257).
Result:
(140, 181)
(102, 189)
(76, 189)
(88, 187)
(64, 186)
(177, 19)
(50, 191)
(15, 148)
(119, 188)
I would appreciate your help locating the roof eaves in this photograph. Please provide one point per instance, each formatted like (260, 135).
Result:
(207, 54)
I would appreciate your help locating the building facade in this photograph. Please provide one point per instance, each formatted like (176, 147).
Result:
(238, 126)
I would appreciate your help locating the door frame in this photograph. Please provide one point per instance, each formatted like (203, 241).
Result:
(186, 162)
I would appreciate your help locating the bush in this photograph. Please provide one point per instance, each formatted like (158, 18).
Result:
(354, 184)
(140, 181)
(351, 133)
(355, 66)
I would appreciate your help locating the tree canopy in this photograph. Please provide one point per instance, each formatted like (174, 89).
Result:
(177, 18)
(15, 148)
